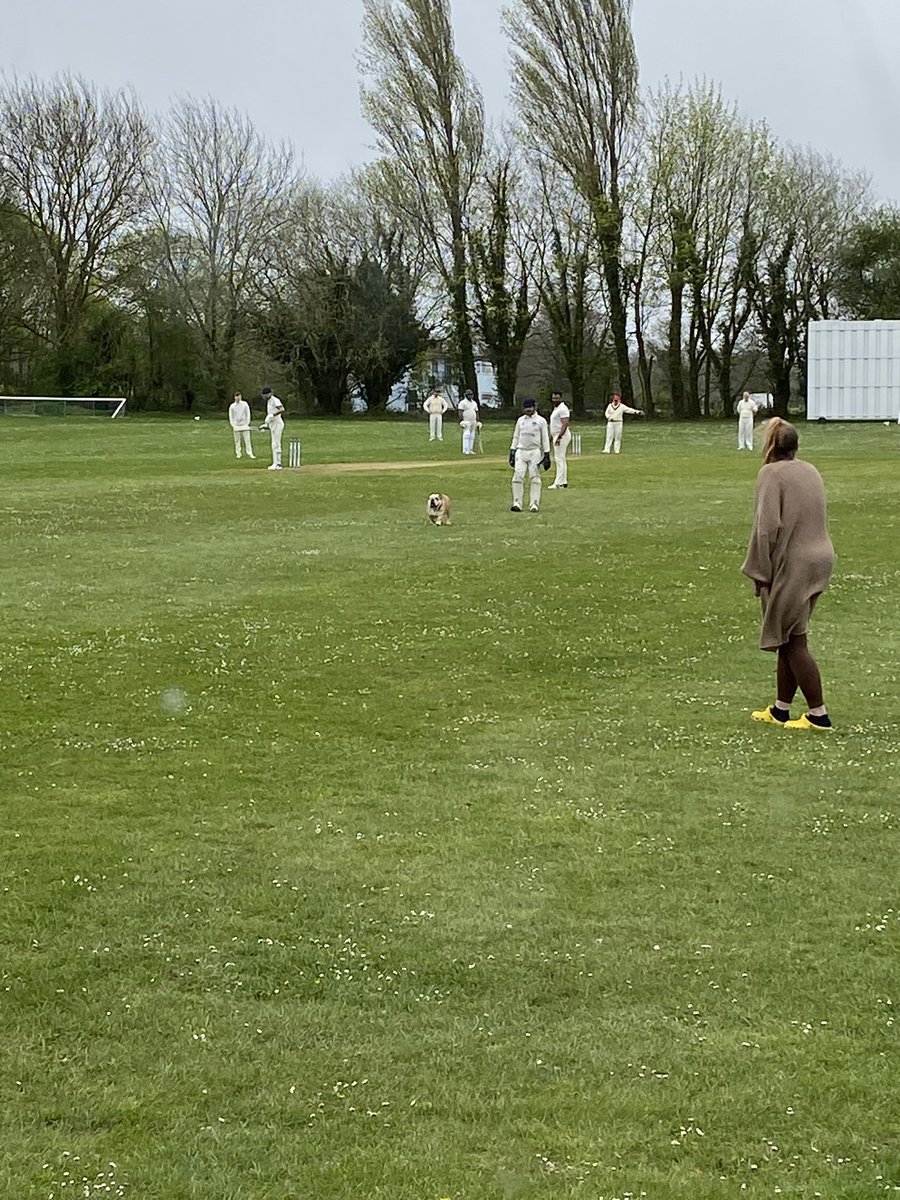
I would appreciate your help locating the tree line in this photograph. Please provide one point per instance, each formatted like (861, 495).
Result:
(658, 243)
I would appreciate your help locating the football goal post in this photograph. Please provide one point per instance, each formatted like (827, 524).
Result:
(62, 406)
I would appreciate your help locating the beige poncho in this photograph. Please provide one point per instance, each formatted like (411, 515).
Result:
(790, 554)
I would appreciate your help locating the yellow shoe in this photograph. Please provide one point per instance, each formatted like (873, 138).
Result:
(765, 714)
(805, 723)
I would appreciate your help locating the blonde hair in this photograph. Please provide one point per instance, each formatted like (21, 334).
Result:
(781, 441)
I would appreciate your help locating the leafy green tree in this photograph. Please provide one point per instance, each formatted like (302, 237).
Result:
(341, 307)
(342, 325)
(867, 280)
(808, 205)
(386, 336)
(23, 298)
(307, 327)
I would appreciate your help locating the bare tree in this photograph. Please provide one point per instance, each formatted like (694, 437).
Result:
(642, 236)
(575, 82)
(571, 290)
(221, 200)
(380, 224)
(74, 164)
(702, 162)
(503, 268)
(429, 118)
(753, 155)
(686, 136)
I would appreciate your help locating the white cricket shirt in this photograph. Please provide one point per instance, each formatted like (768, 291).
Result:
(559, 414)
(531, 434)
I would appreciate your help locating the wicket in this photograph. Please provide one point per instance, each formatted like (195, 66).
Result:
(576, 443)
(295, 452)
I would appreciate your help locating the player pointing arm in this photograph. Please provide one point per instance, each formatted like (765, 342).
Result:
(614, 414)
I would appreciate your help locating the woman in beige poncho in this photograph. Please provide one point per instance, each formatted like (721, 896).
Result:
(790, 560)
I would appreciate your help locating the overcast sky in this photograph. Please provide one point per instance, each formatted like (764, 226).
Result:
(824, 73)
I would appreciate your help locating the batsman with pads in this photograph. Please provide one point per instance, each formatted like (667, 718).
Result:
(529, 451)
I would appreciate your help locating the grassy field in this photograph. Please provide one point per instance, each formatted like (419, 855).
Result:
(345, 856)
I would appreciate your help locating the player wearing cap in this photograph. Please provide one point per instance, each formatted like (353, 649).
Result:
(274, 422)
(468, 419)
(614, 414)
(529, 451)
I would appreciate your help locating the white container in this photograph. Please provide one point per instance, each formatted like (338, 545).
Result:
(854, 371)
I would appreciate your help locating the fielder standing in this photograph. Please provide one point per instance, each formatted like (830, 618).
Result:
(468, 419)
(274, 422)
(746, 411)
(614, 414)
(436, 404)
(529, 451)
(560, 437)
(239, 420)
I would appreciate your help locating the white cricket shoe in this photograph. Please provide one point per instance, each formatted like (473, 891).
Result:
(275, 467)
(534, 508)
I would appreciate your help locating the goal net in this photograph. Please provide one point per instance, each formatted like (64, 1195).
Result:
(62, 406)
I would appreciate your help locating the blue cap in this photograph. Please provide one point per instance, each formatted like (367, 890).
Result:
(528, 404)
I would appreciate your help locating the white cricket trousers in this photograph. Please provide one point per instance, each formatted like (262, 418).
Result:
(276, 429)
(745, 433)
(613, 437)
(238, 435)
(559, 457)
(435, 427)
(527, 462)
(468, 438)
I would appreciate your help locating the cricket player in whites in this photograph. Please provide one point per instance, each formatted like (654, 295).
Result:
(239, 420)
(436, 404)
(468, 419)
(274, 422)
(614, 414)
(560, 437)
(530, 450)
(746, 411)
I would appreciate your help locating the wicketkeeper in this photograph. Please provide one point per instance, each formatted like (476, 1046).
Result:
(530, 450)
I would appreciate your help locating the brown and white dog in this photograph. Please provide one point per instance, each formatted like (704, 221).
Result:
(438, 509)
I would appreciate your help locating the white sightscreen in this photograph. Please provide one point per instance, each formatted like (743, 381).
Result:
(854, 370)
